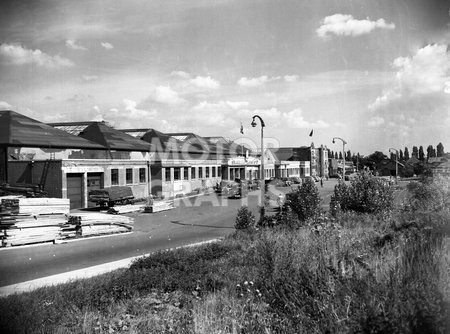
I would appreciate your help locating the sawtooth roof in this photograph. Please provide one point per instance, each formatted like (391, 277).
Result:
(17, 130)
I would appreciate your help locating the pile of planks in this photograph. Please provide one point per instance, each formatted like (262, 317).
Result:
(158, 206)
(32, 220)
(84, 224)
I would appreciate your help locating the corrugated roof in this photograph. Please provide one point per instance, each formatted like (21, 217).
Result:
(17, 130)
(113, 139)
(162, 141)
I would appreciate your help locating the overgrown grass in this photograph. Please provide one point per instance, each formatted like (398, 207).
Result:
(350, 273)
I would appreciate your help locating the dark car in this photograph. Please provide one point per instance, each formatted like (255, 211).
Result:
(295, 180)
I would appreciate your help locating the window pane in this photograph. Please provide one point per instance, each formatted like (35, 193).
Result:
(176, 173)
(193, 173)
(142, 178)
(214, 171)
(207, 171)
(167, 174)
(114, 177)
(185, 173)
(200, 172)
(129, 175)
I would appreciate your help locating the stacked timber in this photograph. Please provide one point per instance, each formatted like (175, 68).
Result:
(157, 206)
(31, 220)
(86, 224)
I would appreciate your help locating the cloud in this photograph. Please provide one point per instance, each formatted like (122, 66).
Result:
(166, 95)
(5, 105)
(295, 119)
(107, 46)
(375, 121)
(205, 82)
(253, 82)
(291, 78)
(181, 74)
(89, 77)
(422, 81)
(14, 54)
(71, 44)
(237, 104)
(346, 25)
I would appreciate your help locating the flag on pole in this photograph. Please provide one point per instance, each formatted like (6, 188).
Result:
(311, 133)
(242, 129)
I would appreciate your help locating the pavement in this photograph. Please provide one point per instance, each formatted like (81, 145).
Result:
(193, 221)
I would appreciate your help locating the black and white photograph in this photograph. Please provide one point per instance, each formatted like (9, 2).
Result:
(225, 166)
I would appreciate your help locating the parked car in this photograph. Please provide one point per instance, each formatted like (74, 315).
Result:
(236, 189)
(295, 180)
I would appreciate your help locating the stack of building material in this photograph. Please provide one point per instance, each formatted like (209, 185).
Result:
(32, 220)
(94, 223)
(158, 206)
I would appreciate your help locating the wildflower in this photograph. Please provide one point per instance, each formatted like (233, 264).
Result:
(245, 283)
(251, 283)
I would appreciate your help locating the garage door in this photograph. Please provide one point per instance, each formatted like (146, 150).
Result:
(75, 190)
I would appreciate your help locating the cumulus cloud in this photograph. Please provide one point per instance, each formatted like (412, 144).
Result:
(181, 74)
(166, 95)
(14, 54)
(375, 121)
(205, 82)
(295, 119)
(89, 77)
(346, 25)
(220, 106)
(107, 46)
(71, 44)
(291, 78)
(5, 105)
(421, 81)
(236, 105)
(253, 82)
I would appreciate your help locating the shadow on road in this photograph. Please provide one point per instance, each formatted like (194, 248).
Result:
(177, 222)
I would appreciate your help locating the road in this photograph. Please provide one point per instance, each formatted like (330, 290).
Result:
(192, 220)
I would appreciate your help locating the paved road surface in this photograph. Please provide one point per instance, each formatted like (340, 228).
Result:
(193, 220)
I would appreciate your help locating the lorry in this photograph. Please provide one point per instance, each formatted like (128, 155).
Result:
(108, 197)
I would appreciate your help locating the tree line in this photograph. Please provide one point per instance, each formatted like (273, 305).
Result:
(403, 155)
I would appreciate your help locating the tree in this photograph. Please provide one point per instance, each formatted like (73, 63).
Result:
(415, 152)
(349, 155)
(406, 154)
(340, 155)
(336, 155)
(431, 152)
(392, 156)
(401, 158)
(440, 150)
(421, 154)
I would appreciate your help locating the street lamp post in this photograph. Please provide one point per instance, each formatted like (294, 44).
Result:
(396, 163)
(262, 162)
(343, 155)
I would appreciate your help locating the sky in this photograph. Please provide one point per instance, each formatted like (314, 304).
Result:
(374, 73)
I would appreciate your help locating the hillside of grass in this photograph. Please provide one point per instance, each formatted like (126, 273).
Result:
(387, 271)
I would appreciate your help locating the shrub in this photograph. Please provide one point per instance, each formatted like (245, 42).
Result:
(244, 219)
(366, 194)
(305, 201)
(428, 194)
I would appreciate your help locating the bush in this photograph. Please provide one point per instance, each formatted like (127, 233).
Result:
(244, 219)
(365, 194)
(305, 201)
(429, 194)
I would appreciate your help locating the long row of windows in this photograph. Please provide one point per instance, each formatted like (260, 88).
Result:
(129, 176)
(195, 173)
